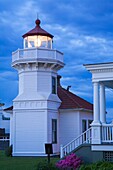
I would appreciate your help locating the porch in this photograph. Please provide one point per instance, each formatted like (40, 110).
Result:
(100, 135)
(106, 140)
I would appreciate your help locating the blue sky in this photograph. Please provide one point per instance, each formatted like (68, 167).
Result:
(82, 29)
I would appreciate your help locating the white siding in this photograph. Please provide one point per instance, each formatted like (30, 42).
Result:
(21, 83)
(34, 81)
(85, 115)
(29, 82)
(44, 82)
(11, 129)
(69, 125)
(30, 132)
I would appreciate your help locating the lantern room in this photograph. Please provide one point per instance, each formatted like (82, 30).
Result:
(38, 38)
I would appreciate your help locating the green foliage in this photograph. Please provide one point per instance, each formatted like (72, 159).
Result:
(8, 151)
(102, 165)
(43, 165)
(34, 163)
(21, 163)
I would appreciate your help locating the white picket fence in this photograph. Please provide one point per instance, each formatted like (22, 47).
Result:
(83, 138)
(4, 138)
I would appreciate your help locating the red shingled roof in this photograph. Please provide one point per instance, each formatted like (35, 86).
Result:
(37, 31)
(69, 101)
(72, 101)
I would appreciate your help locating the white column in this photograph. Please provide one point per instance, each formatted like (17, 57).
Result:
(96, 108)
(96, 126)
(102, 104)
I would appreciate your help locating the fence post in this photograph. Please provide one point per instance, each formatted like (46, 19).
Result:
(61, 151)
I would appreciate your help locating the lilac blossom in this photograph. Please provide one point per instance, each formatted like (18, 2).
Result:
(71, 161)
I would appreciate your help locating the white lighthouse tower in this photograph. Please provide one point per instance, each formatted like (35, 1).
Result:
(35, 118)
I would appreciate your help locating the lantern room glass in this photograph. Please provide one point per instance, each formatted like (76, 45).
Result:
(38, 41)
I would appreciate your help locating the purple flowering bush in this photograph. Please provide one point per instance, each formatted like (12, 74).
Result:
(71, 161)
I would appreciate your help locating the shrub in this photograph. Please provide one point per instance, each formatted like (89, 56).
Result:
(45, 166)
(70, 161)
(8, 151)
(101, 165)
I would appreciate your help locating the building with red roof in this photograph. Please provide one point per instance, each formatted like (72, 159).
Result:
(43, 111)
(75, 114)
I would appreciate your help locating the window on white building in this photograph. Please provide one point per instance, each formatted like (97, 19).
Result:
(84, 128)
(53, 85)
(84, 125)
(89, 123)
(54, 130)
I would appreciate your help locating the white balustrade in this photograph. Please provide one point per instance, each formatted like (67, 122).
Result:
(37, 53)
(83, 138)
(107, 133)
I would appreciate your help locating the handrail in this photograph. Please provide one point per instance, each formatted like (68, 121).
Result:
(36, 48)
(37, 53)
(106, 125)
(85, 137)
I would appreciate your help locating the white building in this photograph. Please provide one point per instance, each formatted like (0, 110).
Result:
(102, 133)
(5, 122)
(43, 112)
(99, 138)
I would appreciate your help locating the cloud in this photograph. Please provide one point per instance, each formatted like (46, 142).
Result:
(78, 86)
(18, 18)
(86, 46)
(82, 31)
(8, 75)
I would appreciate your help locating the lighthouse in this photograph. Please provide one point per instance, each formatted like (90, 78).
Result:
(35, 118)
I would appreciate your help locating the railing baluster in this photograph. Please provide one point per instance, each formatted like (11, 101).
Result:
(112, 133)
(84, 137)
(37, 53)
(102, 133)
(107, 133)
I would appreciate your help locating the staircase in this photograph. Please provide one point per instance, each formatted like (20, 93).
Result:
(82, 139)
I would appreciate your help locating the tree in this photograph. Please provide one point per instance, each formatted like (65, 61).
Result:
(2, 104)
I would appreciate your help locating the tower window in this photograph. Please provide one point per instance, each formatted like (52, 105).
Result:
(54, 130)
(53, 85)
(26, 43)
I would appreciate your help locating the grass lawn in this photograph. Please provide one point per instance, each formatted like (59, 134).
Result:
(21, 163)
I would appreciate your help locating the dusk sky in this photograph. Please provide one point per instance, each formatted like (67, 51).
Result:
(82, 29)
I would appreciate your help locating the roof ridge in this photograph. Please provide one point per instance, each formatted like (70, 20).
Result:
(79, 97)
(71, 97)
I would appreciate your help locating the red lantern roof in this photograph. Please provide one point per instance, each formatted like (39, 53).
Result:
(37, 31)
